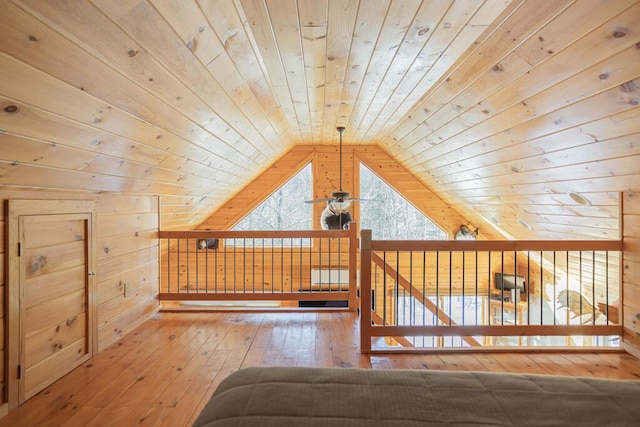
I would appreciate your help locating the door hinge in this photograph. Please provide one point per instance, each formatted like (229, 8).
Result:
(19, 371)
(19, 248)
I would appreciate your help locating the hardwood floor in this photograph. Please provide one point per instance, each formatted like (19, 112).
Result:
(164, 372)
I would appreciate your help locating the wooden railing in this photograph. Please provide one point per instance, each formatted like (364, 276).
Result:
(436, 294)
(284, 266)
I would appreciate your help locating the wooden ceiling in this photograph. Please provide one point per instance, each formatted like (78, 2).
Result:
(502, 107)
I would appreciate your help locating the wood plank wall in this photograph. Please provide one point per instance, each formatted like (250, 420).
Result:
(631, 272)
(547, 104)
(127, 270)
(326, 179)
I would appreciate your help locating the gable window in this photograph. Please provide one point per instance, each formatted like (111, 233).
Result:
(395, 218)
(285, 209)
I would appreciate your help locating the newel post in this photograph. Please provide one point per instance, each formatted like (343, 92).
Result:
(365, 291)
(353, 266)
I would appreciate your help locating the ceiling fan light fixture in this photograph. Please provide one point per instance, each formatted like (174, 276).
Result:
(340, 195)
(339, 205)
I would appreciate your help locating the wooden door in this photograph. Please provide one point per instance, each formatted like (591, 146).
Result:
(51, 324)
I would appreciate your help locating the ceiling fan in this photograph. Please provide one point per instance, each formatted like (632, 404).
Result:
(335, 215)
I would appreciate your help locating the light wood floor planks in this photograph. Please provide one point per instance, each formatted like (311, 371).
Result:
(164, 371)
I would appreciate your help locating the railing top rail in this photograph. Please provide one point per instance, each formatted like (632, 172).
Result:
(266, 234)
(495, 245)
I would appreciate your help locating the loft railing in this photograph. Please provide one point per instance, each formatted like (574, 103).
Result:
(450, 294)
(284, 266)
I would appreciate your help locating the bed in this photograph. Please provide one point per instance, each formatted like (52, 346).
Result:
(280, 396)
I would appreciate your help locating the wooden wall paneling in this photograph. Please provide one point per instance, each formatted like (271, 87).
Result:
(227, 19)
(259, 189)
(523, 22)
(608, 102)
(153, 37)
(39, 89)
(505, 149)
(128, 263)
(286, 31)
(3, 316)
(118, 91)
(458, 35)
(313, 34)
(127, 322)
(450, 158)
(326, 176)
(448, 91)
(406, 15)
(555, 92)
(342, 21)
(631, 288)
(568, 84)
(592, 152)
(21, 151)
(261, 37)
(128, 281)
(126, 204)
(575, 21)
(228, 56)
(32, 122)
(367, 63)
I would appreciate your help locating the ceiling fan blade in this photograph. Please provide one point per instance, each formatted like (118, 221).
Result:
(319, 200)
(366, 200)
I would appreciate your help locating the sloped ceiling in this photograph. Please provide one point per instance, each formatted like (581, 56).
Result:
(502, 107)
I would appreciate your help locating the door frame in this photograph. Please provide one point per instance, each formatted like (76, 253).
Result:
(16, 209)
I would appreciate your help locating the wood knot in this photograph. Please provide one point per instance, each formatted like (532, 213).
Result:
(423, 31)
(629, 86)
(11, 109)
(498, 68)
(603, 76)
(38, 263)
(33, 38)
(619, 33)
(132, 53)
(228, 35)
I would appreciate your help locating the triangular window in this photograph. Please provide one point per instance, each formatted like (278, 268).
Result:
(395, 218)
(285, 209)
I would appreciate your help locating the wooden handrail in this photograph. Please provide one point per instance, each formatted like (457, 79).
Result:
(369, 257)
(420, 297)
(266, 234)
(377, 319)
(199, 264)
(495, 245)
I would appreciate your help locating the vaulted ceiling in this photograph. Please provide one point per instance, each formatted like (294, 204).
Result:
(502, 107)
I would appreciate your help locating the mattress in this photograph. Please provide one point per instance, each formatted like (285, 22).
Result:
(279, 396)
